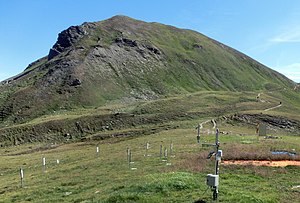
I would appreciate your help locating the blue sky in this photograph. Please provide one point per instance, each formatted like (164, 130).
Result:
(266, 30)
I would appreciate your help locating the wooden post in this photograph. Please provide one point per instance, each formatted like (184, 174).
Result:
(128, 153)
(166, 153)
(160, 151)
(171, 148)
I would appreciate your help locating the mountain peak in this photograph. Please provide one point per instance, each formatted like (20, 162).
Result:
(123, 58)
(120, 17)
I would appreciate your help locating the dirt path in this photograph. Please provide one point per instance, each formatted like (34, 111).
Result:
(274, 107)
(215, 124)
(205, 122)
(261, 100)
(201, 124)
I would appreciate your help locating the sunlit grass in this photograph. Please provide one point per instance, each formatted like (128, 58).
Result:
(83, 176)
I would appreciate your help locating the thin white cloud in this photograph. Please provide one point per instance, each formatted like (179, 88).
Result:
(291, 71)
(289, 36)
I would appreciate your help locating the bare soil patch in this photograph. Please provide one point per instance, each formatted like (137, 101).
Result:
(281, 163)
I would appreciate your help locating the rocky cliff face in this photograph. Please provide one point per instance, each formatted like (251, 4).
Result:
(68, 38)
(125, 59)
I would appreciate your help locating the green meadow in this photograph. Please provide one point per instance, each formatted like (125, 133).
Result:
(83, 175)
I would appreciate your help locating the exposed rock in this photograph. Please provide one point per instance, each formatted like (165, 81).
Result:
(197, 46)
(76, 82)
(272, 121)
(127, 42)
(134, 43)
(153, 49)
(52, 53)
(66, 39)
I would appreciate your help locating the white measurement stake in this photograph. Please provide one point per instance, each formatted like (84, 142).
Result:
(21, 176)
(44, 164)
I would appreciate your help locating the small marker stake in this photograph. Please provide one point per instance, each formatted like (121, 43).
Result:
(21, 176)
(97, 151)
(128, 153)
(166, 153)
(44, 164)
(147, 148)
(171, 148)
(130, 159)
(160, 151)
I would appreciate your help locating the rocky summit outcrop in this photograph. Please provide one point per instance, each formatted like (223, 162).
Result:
(67, 38)
(123, 59)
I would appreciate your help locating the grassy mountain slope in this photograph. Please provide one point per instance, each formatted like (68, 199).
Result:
(125, 59)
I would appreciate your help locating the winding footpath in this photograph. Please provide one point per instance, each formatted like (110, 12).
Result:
(275, 107)
(200, 125)
(205, 122)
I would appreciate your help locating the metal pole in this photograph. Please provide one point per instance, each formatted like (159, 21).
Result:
(198, 133)
(217, 149)
(215, 188)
